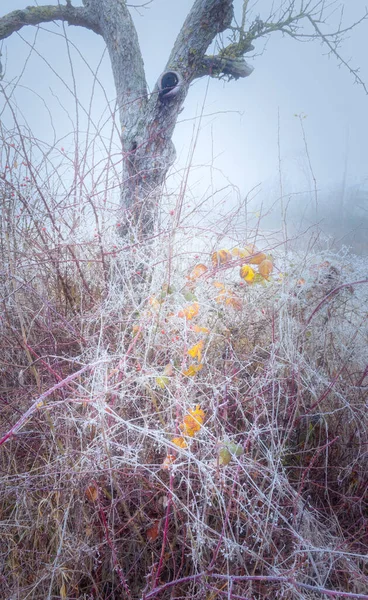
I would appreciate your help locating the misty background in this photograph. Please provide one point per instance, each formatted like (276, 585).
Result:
(294, 133)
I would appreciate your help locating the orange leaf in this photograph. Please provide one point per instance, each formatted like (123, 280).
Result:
(91, 493)
(168, 462)
(234, 301)
(193, 421)
(153, 531)
(221, 257)
(227, 296)
(199, 329)
(265, 268)
(257, 258)
(190, 311)
(168, 370)
(180, 442)
(197, 272)
(152, 301)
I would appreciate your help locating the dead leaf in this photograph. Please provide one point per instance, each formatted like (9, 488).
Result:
(91, 493)
(153, 531)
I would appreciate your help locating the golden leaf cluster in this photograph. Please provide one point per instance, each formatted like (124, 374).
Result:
(249, 255)
(193, 421)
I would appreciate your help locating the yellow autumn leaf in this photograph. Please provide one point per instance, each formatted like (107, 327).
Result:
(196, 351)
(62, 591)
(162, 381)
(189, 311)
(251, 249)
(180, 442)
(192, 370)
(247, 273)
(198, 413)
(240, 252)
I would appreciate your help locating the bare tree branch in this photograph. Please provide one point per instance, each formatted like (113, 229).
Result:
(219, 67)
(35, 15)
(118, 30)
(335, 52)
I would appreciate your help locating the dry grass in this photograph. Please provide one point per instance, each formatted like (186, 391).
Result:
(87, 508)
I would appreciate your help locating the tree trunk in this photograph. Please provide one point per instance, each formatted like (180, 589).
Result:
(148, 122)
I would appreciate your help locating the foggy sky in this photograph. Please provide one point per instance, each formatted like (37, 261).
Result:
(289, 77)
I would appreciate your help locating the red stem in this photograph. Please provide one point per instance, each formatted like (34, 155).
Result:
(343, 285)
(238, 578)
(41, 398)
(166, 529)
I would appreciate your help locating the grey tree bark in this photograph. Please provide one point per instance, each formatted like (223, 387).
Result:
(148, 121)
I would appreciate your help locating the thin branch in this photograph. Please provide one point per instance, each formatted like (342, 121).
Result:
(333, 51)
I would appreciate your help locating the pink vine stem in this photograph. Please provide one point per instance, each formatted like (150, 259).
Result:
(332, 293)
(40, 399)
(239, 578)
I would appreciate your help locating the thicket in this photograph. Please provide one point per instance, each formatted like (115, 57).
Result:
(177, 420)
